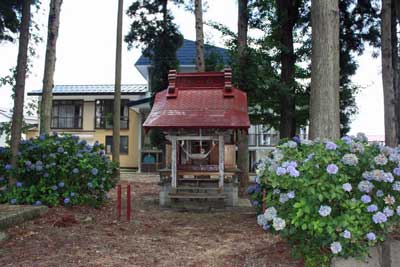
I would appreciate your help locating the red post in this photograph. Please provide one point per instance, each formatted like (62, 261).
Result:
(128, 202)
(264, 201)
(119, 201)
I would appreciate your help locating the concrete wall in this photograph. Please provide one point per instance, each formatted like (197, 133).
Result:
(387, 257)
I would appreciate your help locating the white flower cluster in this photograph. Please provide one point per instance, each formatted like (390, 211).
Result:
(350, 159)
(271, 214)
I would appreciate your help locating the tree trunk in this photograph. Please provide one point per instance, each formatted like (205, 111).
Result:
(387, 75)
(243, 142)
(395, 65)
(324, 101)
(22, 65)
(287, 11)
(49, 66)
(117, 92)
(198, 13)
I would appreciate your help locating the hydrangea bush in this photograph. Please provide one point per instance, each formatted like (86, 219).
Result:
(54, 170)
(329, 198)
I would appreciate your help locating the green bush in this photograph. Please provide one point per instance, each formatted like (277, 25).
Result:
(54, 170)
(329, 198)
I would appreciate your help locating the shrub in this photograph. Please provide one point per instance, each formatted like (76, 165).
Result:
(329, 198)
(54, 170)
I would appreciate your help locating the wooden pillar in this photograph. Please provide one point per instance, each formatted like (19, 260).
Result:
(173, 163)
(221, 145)
(140, 129)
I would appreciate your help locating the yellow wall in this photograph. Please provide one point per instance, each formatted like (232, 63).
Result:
(91, 134)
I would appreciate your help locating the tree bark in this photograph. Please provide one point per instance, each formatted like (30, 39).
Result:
(49, 66)
(22, 65)
(198, 13)
(117, 92)
(287, 11)
(324, 101)
(243, 142)
(387, 75)
(395, 65)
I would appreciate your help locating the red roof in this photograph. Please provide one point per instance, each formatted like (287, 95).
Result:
(199, 100)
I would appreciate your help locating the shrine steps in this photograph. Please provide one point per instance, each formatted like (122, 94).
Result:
(181, 195)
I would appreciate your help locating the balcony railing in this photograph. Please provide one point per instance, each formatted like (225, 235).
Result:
(263, 140)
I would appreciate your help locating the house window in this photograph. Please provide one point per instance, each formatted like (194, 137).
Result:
(104, 114)
(123, 145)
(67, 114)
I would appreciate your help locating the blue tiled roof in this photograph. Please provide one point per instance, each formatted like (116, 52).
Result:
(186, 54)
(101, 89)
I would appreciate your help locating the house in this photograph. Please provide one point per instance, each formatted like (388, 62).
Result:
(86, 111)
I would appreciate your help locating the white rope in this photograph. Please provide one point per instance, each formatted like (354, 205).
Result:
(200, 155)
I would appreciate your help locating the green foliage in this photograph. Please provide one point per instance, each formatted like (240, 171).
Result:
(57, 170)
(9, 19)
(329, 198)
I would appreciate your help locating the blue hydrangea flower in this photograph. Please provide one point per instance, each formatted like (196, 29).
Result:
(276, 191)
(347, 187)
(291, 194)
(336, 247)
(396, 171)
(61, 184)
(37, 203)
(350, 159)
(379, 217)
(8, 167)
(283, 198)
(45, 175)
(266, 226)
(396, 186)
(365, 186)
(346, 234)
(39, 168)
(372, 208)
(365, 199)
(60, 149)
(347, 139)
(332, 169)
(13, 201)
(72, 194)
(379, 193)
(66, 200)
(398, 210)
(388, 212)
(90, 185)
(381, 160)
(54, 187)
(83, 142)
(370, 236)
(293, 172)
(28, 163)
(280, 171)
(95, 171)
(75, 170)
(330, 146)
(324, 210)
(251, 189)
(19, 184)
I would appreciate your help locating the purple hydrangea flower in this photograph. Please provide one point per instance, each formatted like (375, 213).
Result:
(95, 171)
(347, 139)
(330, 146)
(72, 194)
(266, 226)
(75, 170)
(370, 236)
(45, 175)
(19, 184)
(372, 208)
(8, 167)
(336, 247)
(60, 149)
(346, 234)
(280, 171)
(332, 169)
(347, 187)
(365, 186)
(13, 201)
(54, 187)
(324, 210)
(61, 184)
(37, 203)
(396, 186)
(379, 193)
(293, 172)
(283, 198)
(396, 171)
(66, 200)
(365, 198)
(379, 217)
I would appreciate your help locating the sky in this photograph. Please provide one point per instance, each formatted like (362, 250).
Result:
(86, 53)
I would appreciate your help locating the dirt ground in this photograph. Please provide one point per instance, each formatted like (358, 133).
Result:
(84, 236)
